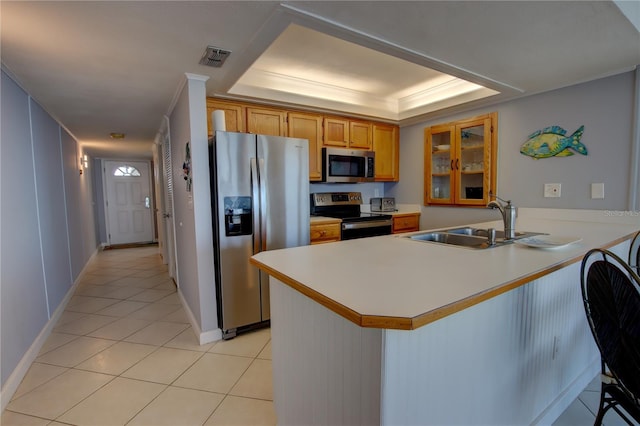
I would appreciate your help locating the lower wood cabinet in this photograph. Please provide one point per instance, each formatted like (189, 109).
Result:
(325, 232)
(408, 222)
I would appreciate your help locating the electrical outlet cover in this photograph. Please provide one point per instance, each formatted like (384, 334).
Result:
(597, 190)
(552, 190)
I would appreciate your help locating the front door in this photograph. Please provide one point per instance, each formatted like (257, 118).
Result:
(129, 212)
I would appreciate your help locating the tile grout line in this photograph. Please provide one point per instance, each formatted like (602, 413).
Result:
(161, 282)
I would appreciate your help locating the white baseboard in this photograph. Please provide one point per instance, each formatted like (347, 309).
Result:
(203, 337)
(562, 402)
(14, 380)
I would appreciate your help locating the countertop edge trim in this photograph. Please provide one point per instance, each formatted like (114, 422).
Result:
(403, 323)
(439, 313)
(325, 301)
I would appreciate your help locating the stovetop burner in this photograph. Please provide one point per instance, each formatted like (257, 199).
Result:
(346, 206)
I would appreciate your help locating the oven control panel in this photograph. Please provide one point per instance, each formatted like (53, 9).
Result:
(335, 198)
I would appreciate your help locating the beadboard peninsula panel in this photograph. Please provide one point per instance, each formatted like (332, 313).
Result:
(518, 358)
(326, 370)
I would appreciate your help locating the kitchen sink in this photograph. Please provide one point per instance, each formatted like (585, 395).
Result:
(463, 240)
(475, 238)
(483, 232)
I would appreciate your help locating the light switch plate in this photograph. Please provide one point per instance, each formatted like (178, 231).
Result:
(597, 190)
(552, 190)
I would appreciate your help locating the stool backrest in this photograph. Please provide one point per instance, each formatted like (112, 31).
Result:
(611, 295)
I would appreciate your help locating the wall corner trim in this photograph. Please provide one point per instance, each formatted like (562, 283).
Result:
(199, 77)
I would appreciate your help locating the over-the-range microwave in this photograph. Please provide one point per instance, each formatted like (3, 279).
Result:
(347, 165)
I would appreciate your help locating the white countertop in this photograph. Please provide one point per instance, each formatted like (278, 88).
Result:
(392, 276)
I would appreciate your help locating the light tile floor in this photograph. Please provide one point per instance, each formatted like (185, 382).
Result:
(583, 410)
(123, 352)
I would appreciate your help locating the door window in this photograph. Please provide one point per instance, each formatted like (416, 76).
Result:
(126, 171)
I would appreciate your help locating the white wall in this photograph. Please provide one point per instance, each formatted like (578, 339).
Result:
(47, 228)
(192, 210)
(604, 107)
(22, 297)
(51, 205)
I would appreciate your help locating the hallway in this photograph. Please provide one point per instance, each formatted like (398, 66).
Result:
(123, 352)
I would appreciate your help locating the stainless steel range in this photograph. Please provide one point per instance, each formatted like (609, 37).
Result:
(346, 206)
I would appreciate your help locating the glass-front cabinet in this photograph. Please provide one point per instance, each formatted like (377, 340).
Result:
(460, 162)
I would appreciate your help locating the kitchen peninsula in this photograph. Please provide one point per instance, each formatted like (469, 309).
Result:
(387, 330)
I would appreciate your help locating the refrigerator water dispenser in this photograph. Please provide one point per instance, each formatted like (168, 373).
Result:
(237, 216)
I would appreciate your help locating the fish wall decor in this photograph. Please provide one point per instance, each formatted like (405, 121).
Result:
(553, 142)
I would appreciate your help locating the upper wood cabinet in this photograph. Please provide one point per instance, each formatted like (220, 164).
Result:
(460, 161)
(234, 115)
(308, 126)
(360, 134)
(320, 130)
(387, 148)
(336, 132)
(266, 121)
(345, 133)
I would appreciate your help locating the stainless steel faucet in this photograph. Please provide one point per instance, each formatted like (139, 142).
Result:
(508, 212)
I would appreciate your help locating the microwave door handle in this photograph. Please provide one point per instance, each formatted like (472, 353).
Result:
(263, 205)
(255, 196)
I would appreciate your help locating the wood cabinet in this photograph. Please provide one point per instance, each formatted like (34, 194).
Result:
(266, 121)
(387, 148)
(406, 222)
(308, 126)
(320, 130)
(234, 115)
(360, 135)
(336, 132)
(324, 232)
(345, 133)
(460, 162)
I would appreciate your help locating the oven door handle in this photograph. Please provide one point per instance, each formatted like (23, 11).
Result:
(367, 224)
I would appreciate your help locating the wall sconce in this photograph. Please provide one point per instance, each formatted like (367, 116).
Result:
(84, 163)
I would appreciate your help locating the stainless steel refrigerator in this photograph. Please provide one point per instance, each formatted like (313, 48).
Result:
(260, 201)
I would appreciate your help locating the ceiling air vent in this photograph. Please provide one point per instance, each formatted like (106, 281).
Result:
(214, 56)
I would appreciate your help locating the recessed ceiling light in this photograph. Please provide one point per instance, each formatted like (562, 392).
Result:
(117, 135)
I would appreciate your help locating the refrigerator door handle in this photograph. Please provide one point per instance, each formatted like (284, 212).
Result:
(263, 205)
(255, 196)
